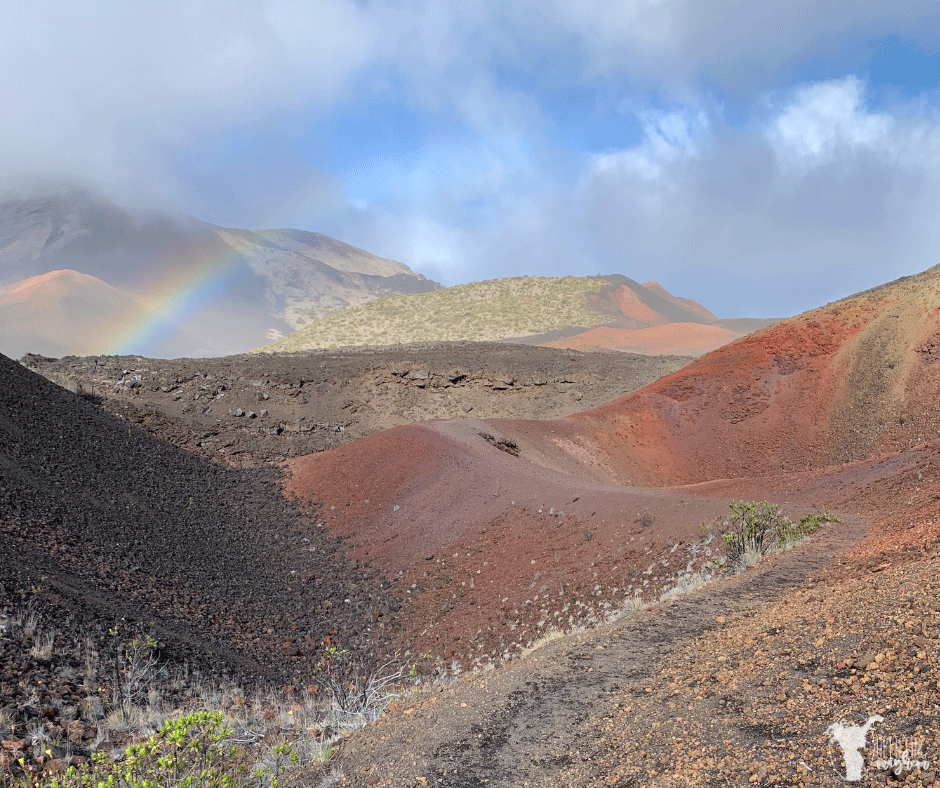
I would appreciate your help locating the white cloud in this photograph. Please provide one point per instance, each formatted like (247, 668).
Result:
(741, 45)
(828, 120)
(667, 137)
(823, 188)
(820, 197)
(111, 92)
(154, 100)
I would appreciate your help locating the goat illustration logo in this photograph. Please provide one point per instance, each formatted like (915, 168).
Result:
(852, 740)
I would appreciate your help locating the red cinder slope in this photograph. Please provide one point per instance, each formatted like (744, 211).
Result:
(840, 383)
(486, 547)
(478, 537)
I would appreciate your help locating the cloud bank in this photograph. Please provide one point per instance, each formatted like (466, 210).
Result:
(745, 153)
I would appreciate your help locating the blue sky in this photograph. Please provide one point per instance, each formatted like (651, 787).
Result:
(763, 157)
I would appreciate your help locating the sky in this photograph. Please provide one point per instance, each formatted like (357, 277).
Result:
(761, 156)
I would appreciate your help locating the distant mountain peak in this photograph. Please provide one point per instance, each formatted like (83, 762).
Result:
(214, 290)
(61, 282)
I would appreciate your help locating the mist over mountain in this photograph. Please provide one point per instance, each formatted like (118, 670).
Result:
(191, 288)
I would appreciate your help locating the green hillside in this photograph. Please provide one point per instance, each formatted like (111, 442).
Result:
(493, 309)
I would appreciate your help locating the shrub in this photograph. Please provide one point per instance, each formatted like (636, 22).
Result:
(757, 528)
(810, 524)
(360, 694)
(186, 751)
(190, 751)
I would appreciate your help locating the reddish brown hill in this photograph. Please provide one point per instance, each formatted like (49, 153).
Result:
(693, 339)
(683, 303)
(63, 312)
(840, 383)
(648, 319)
(632, 305)
(480, 536)
(490, 549)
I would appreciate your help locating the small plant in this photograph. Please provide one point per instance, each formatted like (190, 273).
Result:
(645, 518)
(359, 695)
(136, 667)
(37, 734)
(42, 646)
(6, 723)
(755, 529)
(90, 657)
(811, 523)
(30, 623)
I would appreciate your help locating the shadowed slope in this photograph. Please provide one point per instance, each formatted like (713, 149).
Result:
(123, 525)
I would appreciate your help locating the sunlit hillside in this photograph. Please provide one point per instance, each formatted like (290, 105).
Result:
(493, 309)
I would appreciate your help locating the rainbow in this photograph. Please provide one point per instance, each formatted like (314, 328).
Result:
(170, 302)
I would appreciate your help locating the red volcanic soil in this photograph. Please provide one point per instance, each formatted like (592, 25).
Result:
(692, 339)
(491, 548)
(632, 308)
(685, 303)
(842, 383)
(632, 305)
(648, 319)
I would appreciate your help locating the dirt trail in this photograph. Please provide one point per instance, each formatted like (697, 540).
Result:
(523, 726)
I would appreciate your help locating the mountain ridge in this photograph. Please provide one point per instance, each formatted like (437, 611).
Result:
(269, 279)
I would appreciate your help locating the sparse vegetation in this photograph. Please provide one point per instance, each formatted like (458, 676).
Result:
(43, 644)
(136, 668)
(359, 695)
(154, 725)
(812, 522)
(550, 634)
(197, 749)
(480, 311)
(755, 529)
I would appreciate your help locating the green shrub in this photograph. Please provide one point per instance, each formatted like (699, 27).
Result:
(194, 751)
(811, 523)
(757, 528)
(752, 530)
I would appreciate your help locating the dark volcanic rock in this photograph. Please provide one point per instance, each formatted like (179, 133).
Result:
(322, 399)
(110, 524)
